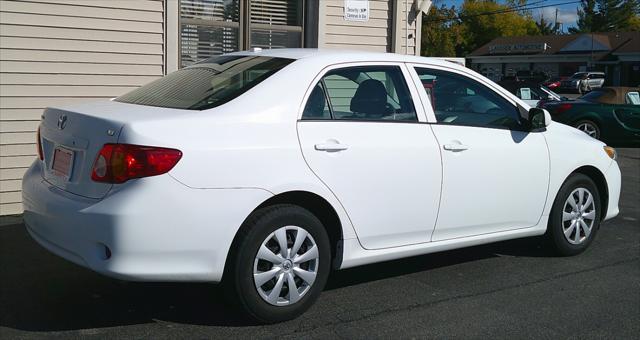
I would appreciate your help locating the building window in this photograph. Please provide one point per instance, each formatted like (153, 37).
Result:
(213, 27)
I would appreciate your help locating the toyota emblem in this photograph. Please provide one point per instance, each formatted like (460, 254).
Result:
(62, 122)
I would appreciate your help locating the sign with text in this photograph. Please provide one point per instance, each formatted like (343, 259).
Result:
(518, 48)
(356, 10)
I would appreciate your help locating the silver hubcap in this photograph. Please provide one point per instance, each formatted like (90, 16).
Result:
(286, 266)
(578, 216)
(588, 129)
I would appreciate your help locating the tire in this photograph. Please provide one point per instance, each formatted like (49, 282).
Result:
(589, 127)
(560, 232)
(262, 228)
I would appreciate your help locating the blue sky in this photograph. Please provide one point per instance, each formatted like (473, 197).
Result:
(567, 14)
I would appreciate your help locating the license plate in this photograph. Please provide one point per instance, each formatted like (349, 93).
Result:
(62, 162)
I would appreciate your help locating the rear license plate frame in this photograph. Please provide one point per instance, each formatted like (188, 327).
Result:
(58, 168)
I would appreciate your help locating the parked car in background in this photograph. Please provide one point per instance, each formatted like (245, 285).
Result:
(554, 82)
(611, 114)
(265, 170)
(532, 93)
(595, 79)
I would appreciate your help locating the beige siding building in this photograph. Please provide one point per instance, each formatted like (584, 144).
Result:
(55, 52)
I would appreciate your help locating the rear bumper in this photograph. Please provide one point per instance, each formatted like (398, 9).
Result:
(614, 184)
(156, 229)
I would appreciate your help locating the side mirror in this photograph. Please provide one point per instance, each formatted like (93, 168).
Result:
(538, 118)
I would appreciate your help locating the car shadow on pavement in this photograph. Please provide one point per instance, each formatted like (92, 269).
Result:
(527, 247)
(41, 292)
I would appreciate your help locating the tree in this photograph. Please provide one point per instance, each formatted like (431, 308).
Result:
(441, 32)
(483, 21)
(521, 6)
(547, 28)
(634, 23)
(607, 16)
(586, 16)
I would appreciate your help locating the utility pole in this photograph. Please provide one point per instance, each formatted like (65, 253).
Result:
(590, 66)
(555, 24)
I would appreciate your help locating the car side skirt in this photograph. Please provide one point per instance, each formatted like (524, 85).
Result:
(354, 255)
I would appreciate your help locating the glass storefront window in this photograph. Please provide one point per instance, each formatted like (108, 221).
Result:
(276, 23)
(202, 42)
(214, 27)
(275, 38)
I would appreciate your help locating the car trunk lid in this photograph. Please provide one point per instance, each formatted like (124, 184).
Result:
(72, 137)
(70, 140)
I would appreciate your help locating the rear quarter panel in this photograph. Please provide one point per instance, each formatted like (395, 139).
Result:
(250, 142)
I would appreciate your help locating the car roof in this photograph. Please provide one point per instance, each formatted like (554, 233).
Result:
(343, 55)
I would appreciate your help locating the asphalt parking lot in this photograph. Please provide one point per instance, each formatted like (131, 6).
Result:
(514, 289)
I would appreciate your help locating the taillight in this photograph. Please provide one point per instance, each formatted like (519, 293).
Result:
(118, 163)
(560, 108)
(40, 153)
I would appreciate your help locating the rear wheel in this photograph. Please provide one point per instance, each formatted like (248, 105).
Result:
(280, 264)
(589, 127)
(575, 215)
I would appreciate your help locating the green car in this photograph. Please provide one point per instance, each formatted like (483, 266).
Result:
(611, 114)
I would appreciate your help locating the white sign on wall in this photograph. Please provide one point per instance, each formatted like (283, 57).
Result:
(356, 10)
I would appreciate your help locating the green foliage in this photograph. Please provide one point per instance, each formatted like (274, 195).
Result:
(607, 16)
(479, 28)
(441, 32)
(448, 31)
(547, 28)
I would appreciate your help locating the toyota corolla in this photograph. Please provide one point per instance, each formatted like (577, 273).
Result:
(264, 170)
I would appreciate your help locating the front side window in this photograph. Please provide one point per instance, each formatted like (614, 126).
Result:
(207, 84)
(458, 100)
(364, 93)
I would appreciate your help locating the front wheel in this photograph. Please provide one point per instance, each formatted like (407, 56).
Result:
(280, 263)
(588, 127)
(575, 215)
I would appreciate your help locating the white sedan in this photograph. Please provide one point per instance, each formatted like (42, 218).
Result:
(265, 170)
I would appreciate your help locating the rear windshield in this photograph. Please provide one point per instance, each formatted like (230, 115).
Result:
(207, 84)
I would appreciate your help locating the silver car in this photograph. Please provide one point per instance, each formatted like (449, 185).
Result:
(595, 79)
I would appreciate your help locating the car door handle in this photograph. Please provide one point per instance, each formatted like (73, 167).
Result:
(331, 147)
(455, 147)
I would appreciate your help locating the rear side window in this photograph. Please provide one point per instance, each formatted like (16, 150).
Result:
(208, 84)
(362, 93)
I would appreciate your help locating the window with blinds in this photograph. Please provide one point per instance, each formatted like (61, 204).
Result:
(276, 23)
(213, 27)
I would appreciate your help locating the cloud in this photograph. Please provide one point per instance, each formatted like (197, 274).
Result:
(566, 16)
